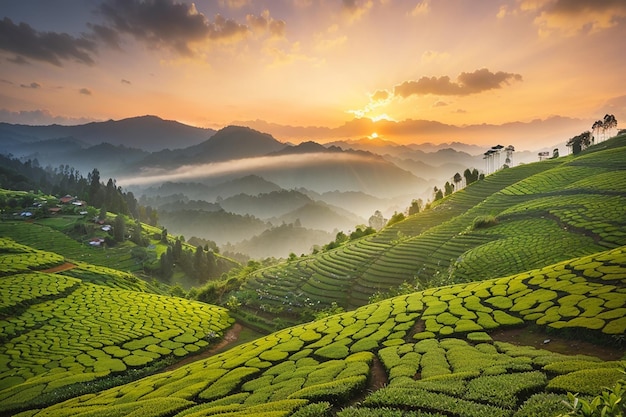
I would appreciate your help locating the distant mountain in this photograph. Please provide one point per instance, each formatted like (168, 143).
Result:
(361, 204)
(280, 241)
(251, 185)
(218, 226)
(229, 143)
(306, 147)
(321, 216)
(265, 206)
(236, 151)
(343, 171)
(531, 135)
(148, 133)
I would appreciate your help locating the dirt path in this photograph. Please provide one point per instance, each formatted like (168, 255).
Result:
(231, 336)
(60, 268)
(553, 343)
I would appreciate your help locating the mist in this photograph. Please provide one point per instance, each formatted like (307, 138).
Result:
(151, 176)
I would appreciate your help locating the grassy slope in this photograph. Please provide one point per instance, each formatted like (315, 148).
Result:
(62, 330)
(545, 212)
(434, 347)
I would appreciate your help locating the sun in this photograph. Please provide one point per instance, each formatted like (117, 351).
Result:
(373, 136)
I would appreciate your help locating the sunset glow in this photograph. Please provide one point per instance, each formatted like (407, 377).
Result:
(279, 66)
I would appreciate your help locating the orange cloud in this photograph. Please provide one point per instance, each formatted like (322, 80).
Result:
(467, 83)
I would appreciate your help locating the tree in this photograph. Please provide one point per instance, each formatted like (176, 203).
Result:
(609, 123)
(136, 236)
(103, 213)
(95, 197)
(199, 264)
(416, 206)
(397, 217)
(119, 228)
(448, 188)
(457, 180)
(595, 129)
(377, 221)
(579, 142)
(555, 153)
(178, 250)
(167, 265)
(438, 194)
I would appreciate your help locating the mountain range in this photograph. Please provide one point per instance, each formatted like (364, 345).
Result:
(200, 175)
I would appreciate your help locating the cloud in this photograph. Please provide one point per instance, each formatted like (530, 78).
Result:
(570, 17)
(18, 59)
(31, 85)
(422, 8)
(51, 47)
(234, 4)
(440, 103)
(39, 117)
(617, 107)
(355, 9)
(502, 12)
(161, 23)
(380, 95)
(431, 56)
(105, 34)
(123, 81)
(85, 91)
(264, 23)
(330, 38)
(216, 169)
(466, 83)
(179, 27)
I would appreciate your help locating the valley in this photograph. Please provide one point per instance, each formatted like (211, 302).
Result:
(500, 298)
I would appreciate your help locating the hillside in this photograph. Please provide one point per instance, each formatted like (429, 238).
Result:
(431, 353)
(65, 325)
(497, 300)
(149, 133)
(512, 221)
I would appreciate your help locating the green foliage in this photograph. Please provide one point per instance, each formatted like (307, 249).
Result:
(587, 381)
(610, 403)
(482, 222)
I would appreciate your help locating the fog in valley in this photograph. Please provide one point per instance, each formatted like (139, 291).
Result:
(246, 191)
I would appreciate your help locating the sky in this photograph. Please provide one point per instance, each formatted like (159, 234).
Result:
(410, 71)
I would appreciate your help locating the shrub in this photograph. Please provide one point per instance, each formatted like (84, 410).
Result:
(587, 381)
(542, 405)
(479, 337)
(483, 222)
(320, 409)
(502, 390)
(337, 392)
(415, 398)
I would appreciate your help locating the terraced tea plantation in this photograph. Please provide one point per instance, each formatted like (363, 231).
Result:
(430, 353)
(512, 221)
(61, 331)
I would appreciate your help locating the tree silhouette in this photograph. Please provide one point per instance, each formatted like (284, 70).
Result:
(609, 123)
(579, 142)
(597, 126)
(416, 206)
(457, 180)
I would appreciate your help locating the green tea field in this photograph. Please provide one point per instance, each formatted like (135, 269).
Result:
(86, 324)
(512, 221)
(430, 353)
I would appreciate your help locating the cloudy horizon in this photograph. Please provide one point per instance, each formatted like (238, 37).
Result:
(301, 64)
